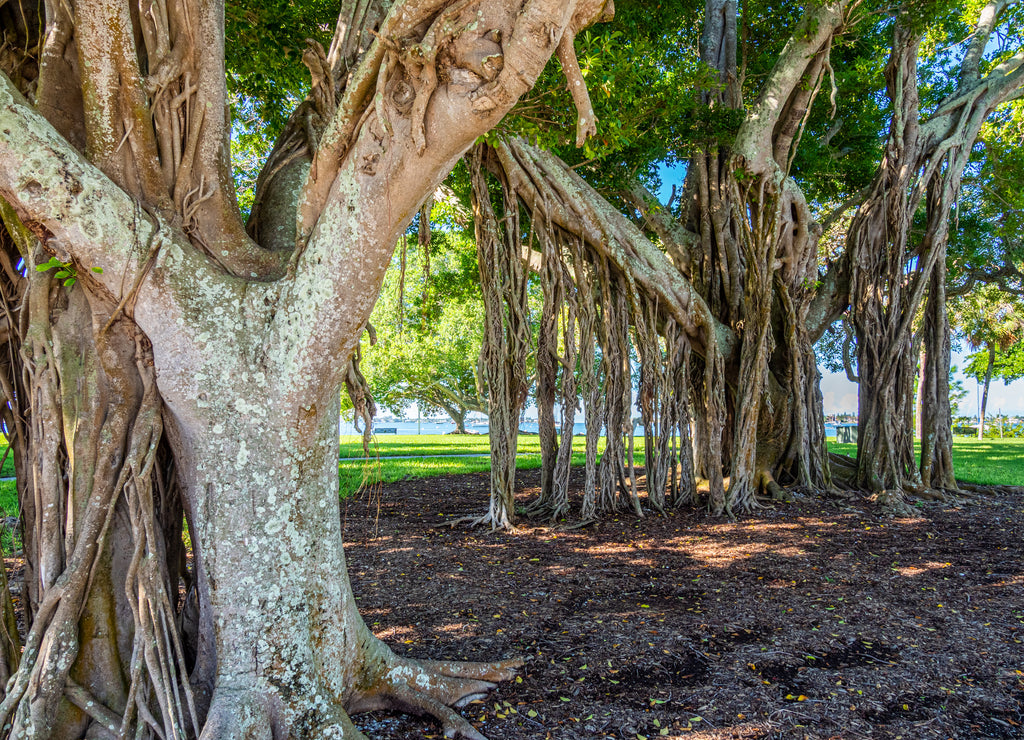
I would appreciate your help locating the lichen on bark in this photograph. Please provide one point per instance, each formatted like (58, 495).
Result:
(196, 371)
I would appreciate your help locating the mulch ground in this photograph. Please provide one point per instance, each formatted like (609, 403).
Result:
(818, 619)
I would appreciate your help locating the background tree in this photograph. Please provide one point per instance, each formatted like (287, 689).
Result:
(993, 321)
(428, 326)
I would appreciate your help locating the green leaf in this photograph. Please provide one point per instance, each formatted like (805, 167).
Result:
(97, 270)
(49, 264)
(69, 283)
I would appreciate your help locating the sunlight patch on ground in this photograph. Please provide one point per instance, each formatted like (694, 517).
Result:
(719, 555)
(916, 570)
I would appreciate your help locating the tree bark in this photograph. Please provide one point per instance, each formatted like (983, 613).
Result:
(236, 350)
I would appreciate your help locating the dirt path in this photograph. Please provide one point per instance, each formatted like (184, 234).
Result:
(819, 619)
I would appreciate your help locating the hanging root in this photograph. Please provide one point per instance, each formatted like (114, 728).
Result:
(431, 688)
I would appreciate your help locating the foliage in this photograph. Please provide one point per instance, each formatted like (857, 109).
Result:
(266, 76)
(839, 151)
(829, 348)
(1008, 365)
(989, 318)
(66, 272)
(429, 328)
(642, 71)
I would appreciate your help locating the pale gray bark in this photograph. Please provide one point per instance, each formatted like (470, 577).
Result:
(248, 356)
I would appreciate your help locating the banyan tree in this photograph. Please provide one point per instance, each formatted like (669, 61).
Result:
(168, 362)
(720, 297)
(159, 346)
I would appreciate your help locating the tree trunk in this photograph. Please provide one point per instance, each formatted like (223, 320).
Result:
(459, 417)
(756, 251)
(984, 391)
(924, 160)
(292, 651)
(179, 324)
(935, 416)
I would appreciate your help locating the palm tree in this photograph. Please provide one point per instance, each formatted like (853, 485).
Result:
(992, 320)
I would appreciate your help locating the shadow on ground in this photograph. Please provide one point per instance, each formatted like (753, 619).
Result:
(818, 619)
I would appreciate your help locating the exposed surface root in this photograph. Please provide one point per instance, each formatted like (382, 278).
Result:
(935, 494)
(774, 490)
(986, 490)
(552, 509)
(432, 688)
(488, 519)
(892, 501)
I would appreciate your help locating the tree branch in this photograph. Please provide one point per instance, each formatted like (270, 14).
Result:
(678, 240)
(79, 214)
(338, 274)
(837, 213)
(813, 33)
(548, 186)
(987, 18)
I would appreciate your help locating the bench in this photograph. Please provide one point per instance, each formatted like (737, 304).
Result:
(385, 430)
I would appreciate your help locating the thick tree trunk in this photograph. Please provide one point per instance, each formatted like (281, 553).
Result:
(757, 247)
(459, 417)
(292, 653)
(245, 349)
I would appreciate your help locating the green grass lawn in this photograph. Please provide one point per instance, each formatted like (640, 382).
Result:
(432, 444)
(7, 471)
(9, 539)
(352, 474)
(985, 462)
